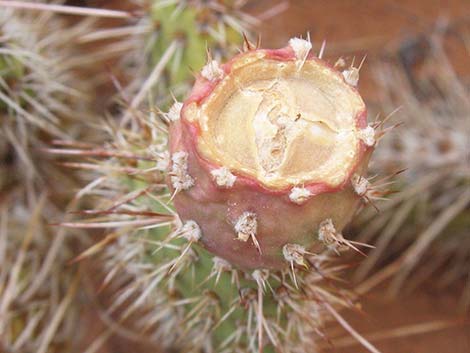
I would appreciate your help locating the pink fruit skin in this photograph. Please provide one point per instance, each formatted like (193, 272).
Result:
(280, 221)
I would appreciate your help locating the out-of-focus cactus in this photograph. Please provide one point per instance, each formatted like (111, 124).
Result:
(36, 292)
(40, 100)
(39, 92)
(426, 221)
(168, 43)
(197, 27)
(265, 167)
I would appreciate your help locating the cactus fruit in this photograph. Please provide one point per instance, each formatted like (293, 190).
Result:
(264, 168)
(265, 152)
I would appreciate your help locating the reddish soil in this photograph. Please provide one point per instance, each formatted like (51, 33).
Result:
(363, 27)
(422, 309)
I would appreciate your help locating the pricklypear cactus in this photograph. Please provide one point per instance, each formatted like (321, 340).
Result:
(265, 167)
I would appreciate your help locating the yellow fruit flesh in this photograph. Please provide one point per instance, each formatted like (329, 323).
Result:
(281, 123)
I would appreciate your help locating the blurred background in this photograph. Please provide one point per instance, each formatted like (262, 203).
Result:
(417, 66)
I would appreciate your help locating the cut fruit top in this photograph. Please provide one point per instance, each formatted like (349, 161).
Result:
(281, 121)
